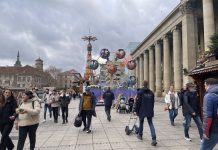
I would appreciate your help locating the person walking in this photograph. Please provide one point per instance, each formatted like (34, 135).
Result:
(191, 109)
(172, 101)
(28, 120)
(47, 106)
(108, 97)
(55, 105)
(87, 108)
(64, 102)
(210, 115)
(8, 106)
(144, 108)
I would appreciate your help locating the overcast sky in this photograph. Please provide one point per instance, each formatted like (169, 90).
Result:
(52, 29)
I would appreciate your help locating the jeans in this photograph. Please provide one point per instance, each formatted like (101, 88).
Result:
(188, 122)
(47, 106)
(55, 113)
(172, 114)
(23, 131)
(5, 139)
(64, 111)
(150, 123)
(108, 111)
(86, 114)
(211, 143)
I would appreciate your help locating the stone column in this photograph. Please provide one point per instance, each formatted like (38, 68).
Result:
(177, 59)
(158, 69)
(209, 21)
(146, 66)
(137, 71)
(141, 68)
(189, 39)
(166, 63)
(151, 69)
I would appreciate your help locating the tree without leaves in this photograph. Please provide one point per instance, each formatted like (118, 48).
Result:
(53, 71)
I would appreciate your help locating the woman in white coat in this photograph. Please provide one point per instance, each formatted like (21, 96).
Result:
(172, 101)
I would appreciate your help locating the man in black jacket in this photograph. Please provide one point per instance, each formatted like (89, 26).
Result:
(108, 97)
(64, 102)
(191, 109)
(144, 107)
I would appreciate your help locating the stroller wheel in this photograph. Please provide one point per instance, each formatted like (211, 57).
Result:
(127, 130)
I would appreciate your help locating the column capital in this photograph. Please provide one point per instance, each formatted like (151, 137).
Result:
(158, 42)
(151, 48)
(176, 28)
(146, 51)
(165, 36)
(187, 7)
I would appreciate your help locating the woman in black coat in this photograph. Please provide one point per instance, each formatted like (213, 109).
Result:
(8, 106)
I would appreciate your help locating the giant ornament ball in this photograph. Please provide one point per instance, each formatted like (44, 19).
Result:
(104, 53)
(131, 64)
(111, 68)
(93, 64)
(120, 53)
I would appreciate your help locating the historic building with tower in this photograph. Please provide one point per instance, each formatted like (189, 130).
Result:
(19, 76)
(171, 50)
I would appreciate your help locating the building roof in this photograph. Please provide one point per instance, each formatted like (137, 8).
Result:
(70, 72)
(26, 70)
(209, 69)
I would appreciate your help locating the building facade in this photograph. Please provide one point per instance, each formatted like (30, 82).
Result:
(69, 79)
(171, 50)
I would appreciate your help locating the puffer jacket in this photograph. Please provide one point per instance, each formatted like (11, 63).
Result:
(8, 110)
(31, 117)
(210, 109)
(54, 100)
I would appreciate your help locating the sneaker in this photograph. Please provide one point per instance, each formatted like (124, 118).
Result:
(66, 121)
(88, 131)
(44, 120)
(154, 143)
(139, 137)
(50, 119)
(187, 139)
(201, 141)
(63, 122)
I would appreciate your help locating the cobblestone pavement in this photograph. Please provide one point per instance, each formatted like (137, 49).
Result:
(110, 135)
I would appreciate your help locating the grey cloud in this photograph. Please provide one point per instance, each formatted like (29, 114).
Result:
(52, 29)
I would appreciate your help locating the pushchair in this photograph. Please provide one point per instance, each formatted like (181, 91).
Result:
(122, 106)
(132, 127)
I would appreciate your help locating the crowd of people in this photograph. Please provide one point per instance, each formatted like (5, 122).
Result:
(24, 112)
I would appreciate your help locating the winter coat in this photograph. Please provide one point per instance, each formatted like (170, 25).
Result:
(191, 103)
(31, 117)
(54, 100)
(108, 97)
(8, 110)
(64, 101)
(210, 108)
(144, 105)
(169, 101)
(93, 102)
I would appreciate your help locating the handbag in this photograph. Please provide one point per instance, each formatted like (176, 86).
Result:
(78, 121)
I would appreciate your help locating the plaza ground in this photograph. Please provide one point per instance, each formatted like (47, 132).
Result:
(110, 135)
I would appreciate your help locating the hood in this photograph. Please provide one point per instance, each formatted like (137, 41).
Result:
(213, 89)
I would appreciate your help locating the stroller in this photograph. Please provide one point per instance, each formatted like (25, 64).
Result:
(122, 106)
(132, 127)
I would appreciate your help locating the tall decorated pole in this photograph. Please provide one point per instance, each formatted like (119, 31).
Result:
(88, 70)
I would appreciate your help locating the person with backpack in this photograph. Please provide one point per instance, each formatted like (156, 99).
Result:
(210, 114)
(144, 108)
(108, 97)
(191, 109)
(28, 120)
(172, 101)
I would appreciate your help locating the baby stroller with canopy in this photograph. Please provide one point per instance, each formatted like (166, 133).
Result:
(122, 106)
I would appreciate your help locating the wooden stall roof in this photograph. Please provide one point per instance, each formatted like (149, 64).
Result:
(204, 70)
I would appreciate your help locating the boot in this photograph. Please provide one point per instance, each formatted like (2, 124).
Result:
(154, 143)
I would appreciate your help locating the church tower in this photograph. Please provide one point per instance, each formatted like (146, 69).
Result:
(39, 64)
(18, 63)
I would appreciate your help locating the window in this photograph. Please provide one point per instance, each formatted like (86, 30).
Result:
(19, 79)
(23, 79)
(28, 79)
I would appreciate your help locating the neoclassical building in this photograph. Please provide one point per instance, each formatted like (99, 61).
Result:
(172, 48)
